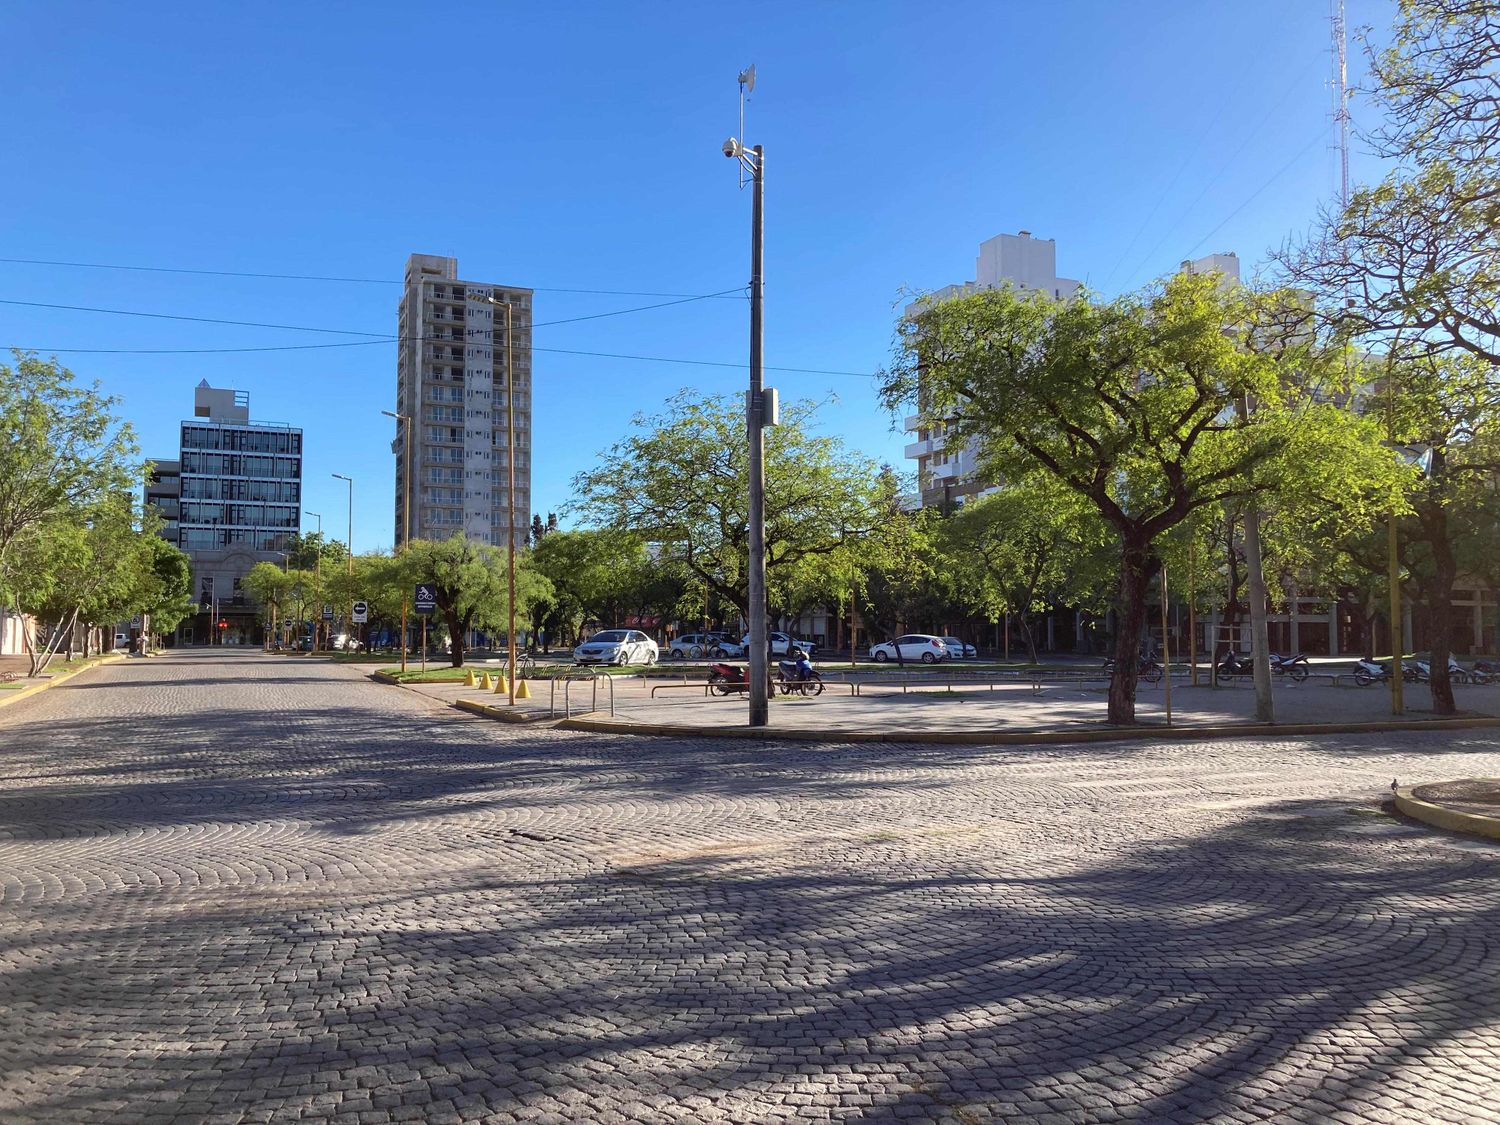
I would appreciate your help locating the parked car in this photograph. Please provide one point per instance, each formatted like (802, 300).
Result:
(914, 646)
(781, 644)
(958, 650)
(617, 646)
(343, 642)
(693, 646)
(726, 648)
(122, 640)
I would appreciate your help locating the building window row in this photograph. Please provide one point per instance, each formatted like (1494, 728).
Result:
(240, 465)
(241, 440)
(233, 488)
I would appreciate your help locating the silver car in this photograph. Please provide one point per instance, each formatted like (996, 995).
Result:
(616, 646)
(914, 646)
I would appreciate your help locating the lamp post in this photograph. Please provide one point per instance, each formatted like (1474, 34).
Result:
(350, 558)
(510, 488)
(317, 575)
(752, 160)
(404, 421)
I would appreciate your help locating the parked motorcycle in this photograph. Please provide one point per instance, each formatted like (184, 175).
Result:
(726, 679)
(1367, 672)
(798, 676)
(1235, 664)
(1296, 667)
(1150, 670)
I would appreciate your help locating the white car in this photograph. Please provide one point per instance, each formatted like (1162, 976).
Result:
(781, 644)
(913, 647)
(957, 649)
(695, 646)
(617, 646)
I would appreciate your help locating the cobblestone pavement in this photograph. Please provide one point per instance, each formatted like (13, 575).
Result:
(239, 888)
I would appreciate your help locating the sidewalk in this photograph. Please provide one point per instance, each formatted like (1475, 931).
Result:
(970, 712)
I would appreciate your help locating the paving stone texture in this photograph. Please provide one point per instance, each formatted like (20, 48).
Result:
(239, 888)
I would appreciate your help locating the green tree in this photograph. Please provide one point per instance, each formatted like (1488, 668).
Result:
(1416, 257)
(1028, 547)
(471, 584)
(63, 446)
(680, 483)
(1128, 403)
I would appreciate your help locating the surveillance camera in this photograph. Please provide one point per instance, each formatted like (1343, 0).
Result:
(731, 148)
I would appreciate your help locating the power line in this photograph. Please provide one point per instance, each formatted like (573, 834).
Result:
(313, 277)
(443, 339)
(343, 331)
(1276, 175)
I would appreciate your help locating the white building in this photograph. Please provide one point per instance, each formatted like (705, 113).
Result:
(950, 476)
(455, 378)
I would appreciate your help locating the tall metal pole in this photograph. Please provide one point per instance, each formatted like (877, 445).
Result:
(1393, 561)
(317, 579)
(1166, 649)
(754, 425)
(510, 497)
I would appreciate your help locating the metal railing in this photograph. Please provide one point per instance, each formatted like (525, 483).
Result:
(568, 682)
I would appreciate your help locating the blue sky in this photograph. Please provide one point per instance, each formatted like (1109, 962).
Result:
(577, 146)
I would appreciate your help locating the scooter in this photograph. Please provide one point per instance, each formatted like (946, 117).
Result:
(726, 679)
(1297, 667)
(798, 675)
(1368, 672)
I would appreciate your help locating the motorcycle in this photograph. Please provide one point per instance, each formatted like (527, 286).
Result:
(1367, 672)
(798, 676)
(1235, 664)
(1297, 667)
(1457, 673)
(1150, 670)
(726, 679)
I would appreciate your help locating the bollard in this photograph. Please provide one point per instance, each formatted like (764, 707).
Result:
(522, 691)
(469, 680)
(501, 687)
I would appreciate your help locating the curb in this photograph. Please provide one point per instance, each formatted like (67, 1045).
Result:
(504, 714)
(1020, 738)
(35, 689)
(1440, 817)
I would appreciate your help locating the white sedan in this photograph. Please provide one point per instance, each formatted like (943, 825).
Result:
(914, 646)
(616, 646)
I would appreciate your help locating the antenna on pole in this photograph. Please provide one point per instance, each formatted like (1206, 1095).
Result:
(747, 85)
(1341, 98)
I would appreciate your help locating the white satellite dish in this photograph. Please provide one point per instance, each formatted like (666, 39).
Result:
(747, 78)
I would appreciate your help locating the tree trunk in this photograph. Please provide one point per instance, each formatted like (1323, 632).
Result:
(1137, 565)
(1440, 606)
(455, 638)
(1030, 634)
(1260, 649)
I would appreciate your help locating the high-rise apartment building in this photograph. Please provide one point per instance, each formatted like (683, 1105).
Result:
(464, 385)
(232, 498)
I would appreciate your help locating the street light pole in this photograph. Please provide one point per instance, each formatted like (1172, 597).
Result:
(510, 486)
(404, 421)
(510, 497)
(753, 161)
(317, 577)
(350, 558)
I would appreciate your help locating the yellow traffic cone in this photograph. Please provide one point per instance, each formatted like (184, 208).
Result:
(522, 691)
(501, 686)
(469, 680)
(487, 682)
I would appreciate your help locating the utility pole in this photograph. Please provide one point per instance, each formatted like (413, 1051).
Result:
(349, 560)
(404, 421)
(510, 498)
(760, 411)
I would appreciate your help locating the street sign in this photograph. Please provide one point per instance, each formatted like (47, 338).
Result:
(361, 613)
(328, 613)
(426, 599)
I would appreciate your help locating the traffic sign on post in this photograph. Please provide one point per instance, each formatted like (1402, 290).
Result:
(361, 613)
(327, 612)
(426, 598)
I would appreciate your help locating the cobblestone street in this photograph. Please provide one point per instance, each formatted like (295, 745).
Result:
(243, 888)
